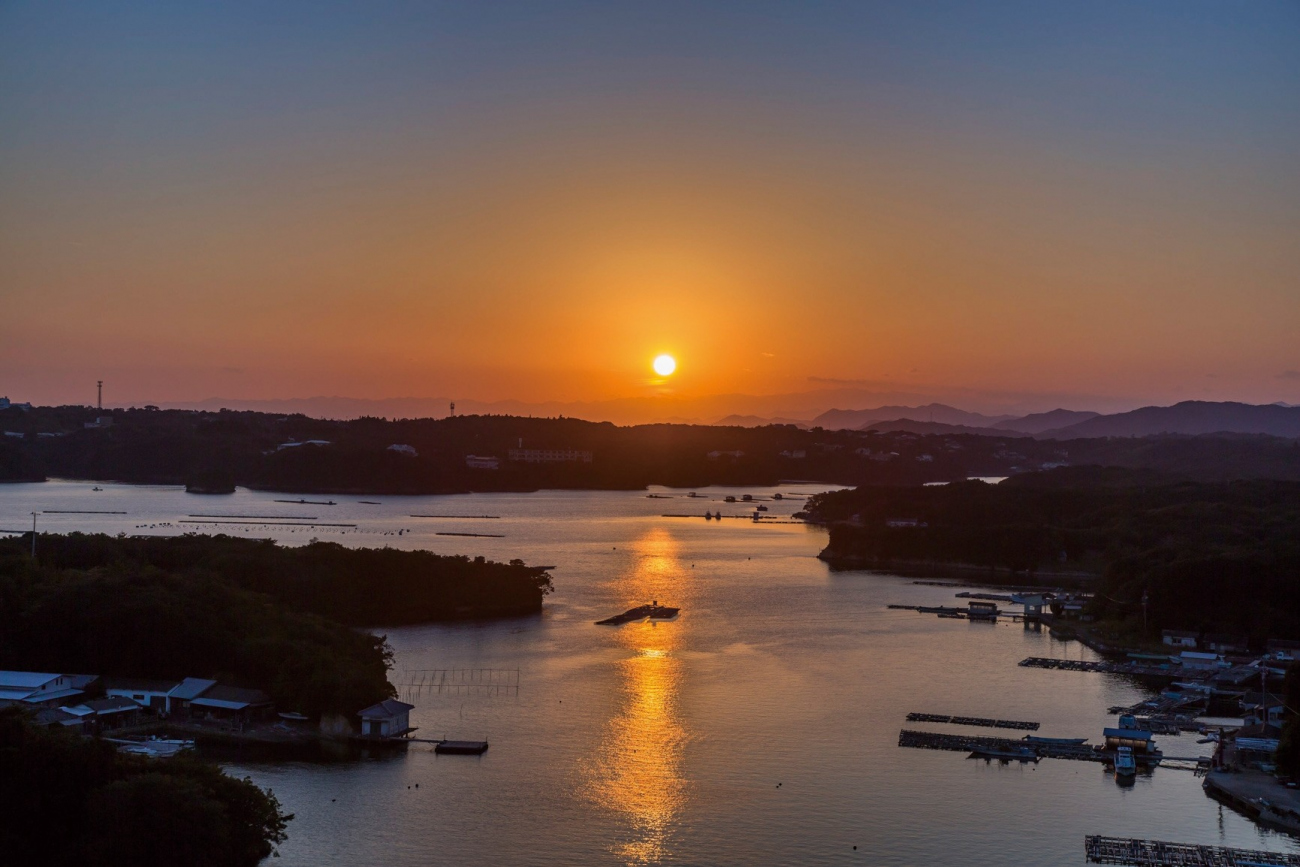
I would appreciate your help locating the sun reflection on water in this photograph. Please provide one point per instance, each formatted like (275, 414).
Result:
(638, 770)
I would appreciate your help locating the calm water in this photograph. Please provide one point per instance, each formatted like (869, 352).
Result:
(759, 727)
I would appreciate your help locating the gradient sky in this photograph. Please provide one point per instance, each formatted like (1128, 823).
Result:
(532, 200)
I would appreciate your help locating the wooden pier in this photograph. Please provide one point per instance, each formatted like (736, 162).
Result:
(981, 722)
(1156, 853)
(973, 743)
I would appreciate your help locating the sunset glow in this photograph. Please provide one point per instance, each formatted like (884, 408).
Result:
(664, 365)
(875, 206)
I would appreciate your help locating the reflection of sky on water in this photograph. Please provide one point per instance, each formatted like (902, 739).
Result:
(638, 769)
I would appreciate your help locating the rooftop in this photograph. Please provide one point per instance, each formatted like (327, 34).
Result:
(386, 709)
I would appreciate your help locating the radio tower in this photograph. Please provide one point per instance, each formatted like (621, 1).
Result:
(100, 404)
(453, 407)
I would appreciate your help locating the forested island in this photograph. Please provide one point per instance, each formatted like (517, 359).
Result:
(73, 800)
(212, 452)
(246, 612)
(1220, 557)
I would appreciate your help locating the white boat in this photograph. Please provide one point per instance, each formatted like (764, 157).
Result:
(1125, 764)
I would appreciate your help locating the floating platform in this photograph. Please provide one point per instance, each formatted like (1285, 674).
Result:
(1156, 853)
(979, 721)
(1135, 668)
(461, 748)
(979, 743)
(641, 612)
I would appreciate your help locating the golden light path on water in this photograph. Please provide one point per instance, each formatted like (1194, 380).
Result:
(637, 772)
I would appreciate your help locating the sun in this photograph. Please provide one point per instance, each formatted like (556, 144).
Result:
(664, 365)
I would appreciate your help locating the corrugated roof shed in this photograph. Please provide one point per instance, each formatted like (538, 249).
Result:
(386, 709)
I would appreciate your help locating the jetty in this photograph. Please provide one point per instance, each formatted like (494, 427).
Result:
(309, 502)
(655, 611)
(979, 721)
(1140, 669)
(463, 517)
(983, 744)
(1157, 853)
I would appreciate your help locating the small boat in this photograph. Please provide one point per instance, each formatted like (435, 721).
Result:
(1125, 764)
(748, 498)
(97, 488)
(692, 495)
(760, 508)
(729, 499)
(777, 497)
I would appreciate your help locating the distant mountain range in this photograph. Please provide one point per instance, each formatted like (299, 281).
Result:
(857, 419)
(803, 410)
(1192, 417)
(1189, 417)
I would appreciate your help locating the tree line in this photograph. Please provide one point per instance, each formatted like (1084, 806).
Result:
(1219, 557)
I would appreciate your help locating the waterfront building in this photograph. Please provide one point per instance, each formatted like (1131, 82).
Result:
(482, 462)
(1178, 638)
(103, 714)
(144, 692)
(1195, 659)
(388, 719)
(291, 444)
(232, 702)
(40, 688)
(1226, 643)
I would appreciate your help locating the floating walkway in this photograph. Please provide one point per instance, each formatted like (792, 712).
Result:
(980, 721)
(77, 512)
(1156, 853)
(1136, 668)
(269, 523)
(980, 743)
(463, 517)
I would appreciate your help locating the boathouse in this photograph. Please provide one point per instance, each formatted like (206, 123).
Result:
(1178, 638)
(388, 719)
(982, 610)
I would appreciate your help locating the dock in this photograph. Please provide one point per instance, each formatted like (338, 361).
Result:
(1135, 668)
(1157, 853)
(981, 722)
(461, 748)
(982, 743)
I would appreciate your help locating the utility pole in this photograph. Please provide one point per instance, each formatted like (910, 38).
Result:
(33, 535)
(100, 403)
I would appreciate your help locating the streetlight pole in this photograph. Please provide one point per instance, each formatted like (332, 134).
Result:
(33, 535)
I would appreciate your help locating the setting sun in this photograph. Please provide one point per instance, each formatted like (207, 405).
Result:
(664, 365)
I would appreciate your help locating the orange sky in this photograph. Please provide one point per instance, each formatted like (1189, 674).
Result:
(376, 221)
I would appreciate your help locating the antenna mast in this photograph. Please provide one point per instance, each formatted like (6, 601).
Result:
(100, 402)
